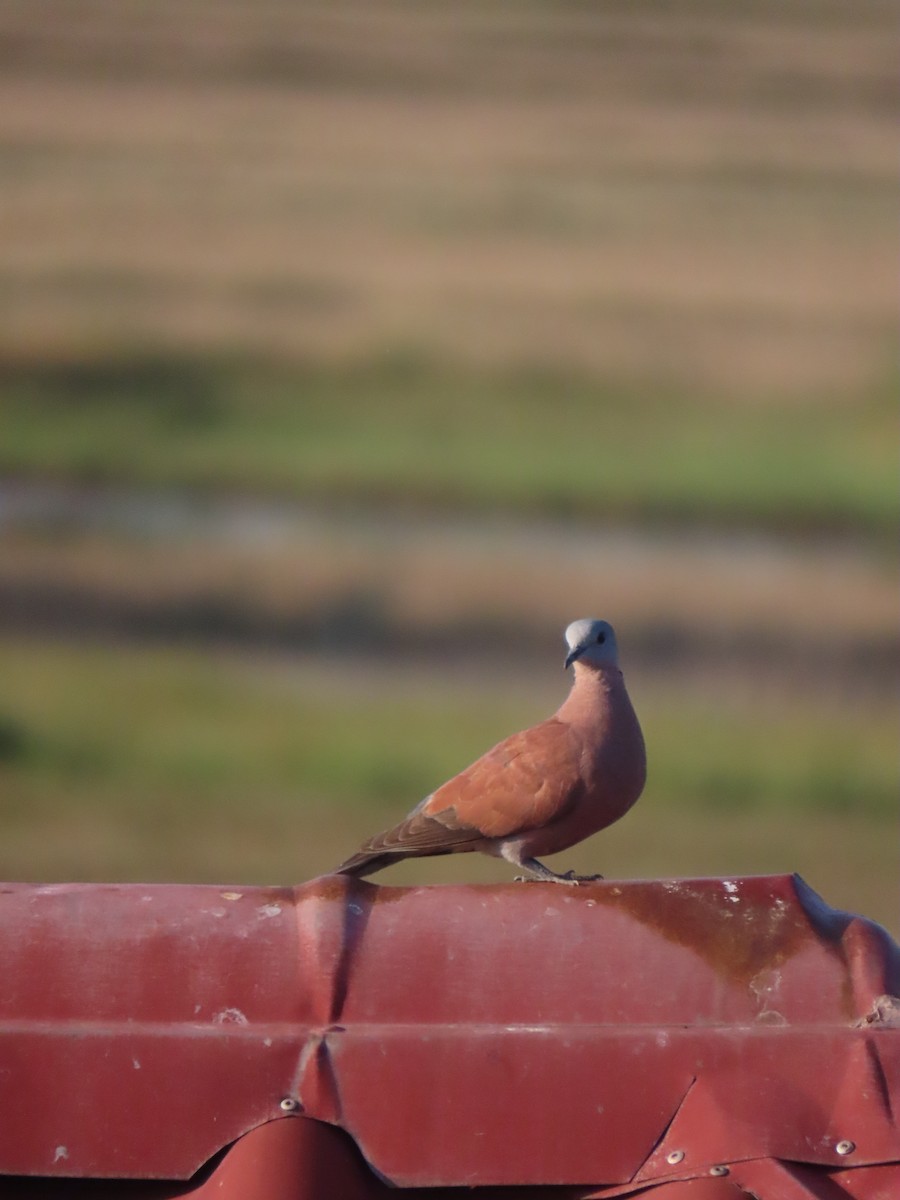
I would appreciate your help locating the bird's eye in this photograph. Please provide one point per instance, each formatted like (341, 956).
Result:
(601, 638)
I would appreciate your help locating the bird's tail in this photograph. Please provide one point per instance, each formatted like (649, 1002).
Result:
(363, 863)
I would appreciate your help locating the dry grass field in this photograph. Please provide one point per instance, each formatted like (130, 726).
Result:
(348, 351)
(685, 192)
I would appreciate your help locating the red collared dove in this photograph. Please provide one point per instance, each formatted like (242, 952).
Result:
(539, 791)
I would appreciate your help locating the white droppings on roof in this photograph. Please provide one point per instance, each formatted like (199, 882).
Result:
(230, 1016)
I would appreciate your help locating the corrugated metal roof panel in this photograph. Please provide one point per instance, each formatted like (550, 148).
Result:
(618, 1035)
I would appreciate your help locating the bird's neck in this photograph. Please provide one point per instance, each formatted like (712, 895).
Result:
(591, 690)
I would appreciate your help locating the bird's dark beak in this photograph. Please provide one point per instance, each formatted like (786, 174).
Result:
(572, 655)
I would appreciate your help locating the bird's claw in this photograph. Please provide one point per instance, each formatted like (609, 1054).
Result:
(571, 877)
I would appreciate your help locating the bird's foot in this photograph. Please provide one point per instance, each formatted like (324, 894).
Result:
(545, 875)
(571, 878)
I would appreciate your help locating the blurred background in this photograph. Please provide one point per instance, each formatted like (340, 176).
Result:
(350, 350)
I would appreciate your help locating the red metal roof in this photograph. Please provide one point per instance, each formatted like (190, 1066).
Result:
(608, 1037)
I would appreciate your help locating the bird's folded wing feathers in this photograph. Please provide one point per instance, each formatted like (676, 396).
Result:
(418, 834)
(523, 783)
(424, 832)
(526, 782)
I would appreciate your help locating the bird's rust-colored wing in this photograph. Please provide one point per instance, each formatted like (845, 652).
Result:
(422, 834)
(526, 782)
(418, 834)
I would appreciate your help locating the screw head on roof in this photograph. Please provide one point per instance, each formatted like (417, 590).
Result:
(845, 1146)
(674, 1156)
(721, 1170)
(289, 1104)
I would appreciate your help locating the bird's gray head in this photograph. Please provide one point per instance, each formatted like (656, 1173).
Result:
(592, 642)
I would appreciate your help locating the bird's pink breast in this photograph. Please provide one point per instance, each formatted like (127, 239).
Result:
(612, 773)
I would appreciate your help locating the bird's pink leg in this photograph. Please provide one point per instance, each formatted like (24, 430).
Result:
(538, 873)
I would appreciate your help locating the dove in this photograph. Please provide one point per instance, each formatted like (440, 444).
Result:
(539, 791)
